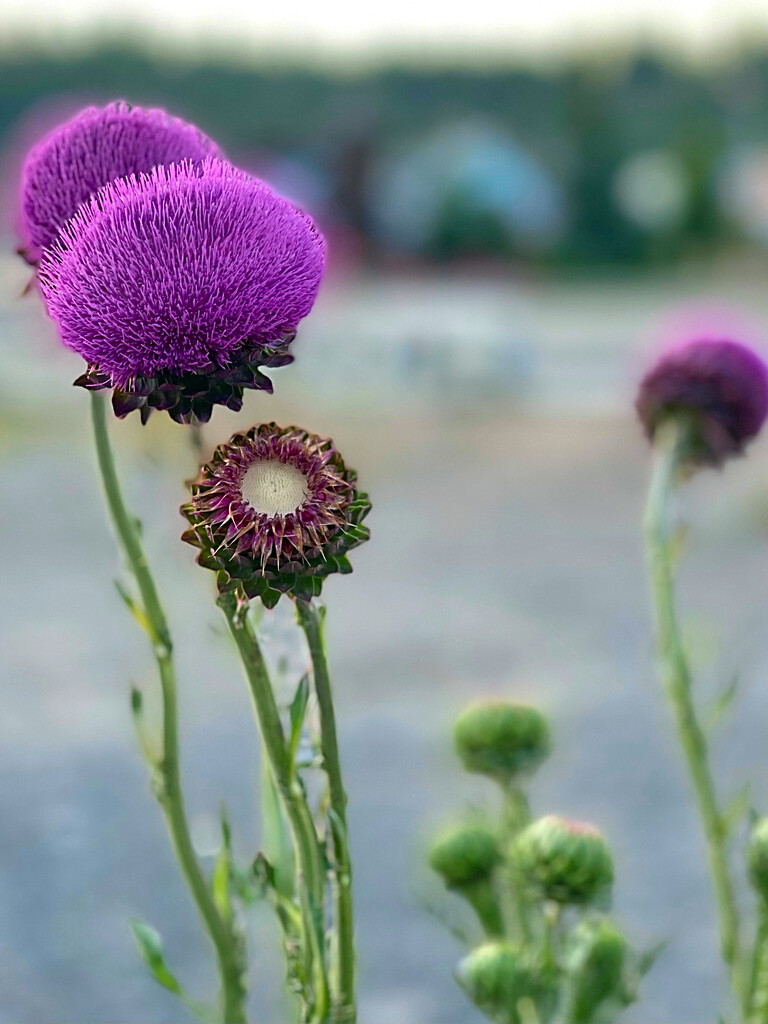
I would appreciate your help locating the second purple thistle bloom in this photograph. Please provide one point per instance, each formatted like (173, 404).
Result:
(719, 388)
(97, 146)
(177, 286)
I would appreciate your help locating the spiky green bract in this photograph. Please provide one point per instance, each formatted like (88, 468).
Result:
(500, 980)
(564, 861)
(757, 857)
(264, 554)
(465, 854)
(597, 957)
(501, 739)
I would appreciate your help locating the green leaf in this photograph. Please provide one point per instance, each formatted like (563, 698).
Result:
(133, 607)
(736, 809)
(137, 702)
(297, 712)
(222, 869)
(645, 960)
(277, 843)
(722, 704)
(150, 948)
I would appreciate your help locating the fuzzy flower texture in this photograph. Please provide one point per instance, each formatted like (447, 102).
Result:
(176, 287)
(274, 512)
(717, 389)
(97, 146)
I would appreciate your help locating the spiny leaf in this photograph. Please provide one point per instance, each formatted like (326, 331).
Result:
(150, 947)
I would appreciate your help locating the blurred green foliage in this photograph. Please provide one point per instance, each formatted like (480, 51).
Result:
(581, 122)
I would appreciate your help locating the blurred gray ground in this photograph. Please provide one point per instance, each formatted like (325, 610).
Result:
(505, 559)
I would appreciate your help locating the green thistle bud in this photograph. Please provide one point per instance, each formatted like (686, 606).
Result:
(465, 854)
(465, 858)
(501, 739)
(757, 857)
(596, 967)
(564, 860)
(498, 978)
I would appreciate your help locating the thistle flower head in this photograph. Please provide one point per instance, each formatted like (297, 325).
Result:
(465, 855)
(177, 285)
(718, 389)
(757, 857)
(501, 739)
(274, 512)
(565, 861)
(97, 146)
(497, 976)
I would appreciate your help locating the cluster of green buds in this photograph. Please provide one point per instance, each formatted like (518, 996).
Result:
(539, 888)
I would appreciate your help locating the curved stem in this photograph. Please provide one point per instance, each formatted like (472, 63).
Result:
(166, 774)
(310, 883)
(676, 677)
(343, 939)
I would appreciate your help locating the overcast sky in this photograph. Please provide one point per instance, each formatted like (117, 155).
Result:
(367, 26)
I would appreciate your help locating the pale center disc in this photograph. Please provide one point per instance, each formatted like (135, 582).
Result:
(274, 488)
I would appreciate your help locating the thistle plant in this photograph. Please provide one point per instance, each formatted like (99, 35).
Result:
(544, 949)
(700, 405)
(178, 278)
(273, 513)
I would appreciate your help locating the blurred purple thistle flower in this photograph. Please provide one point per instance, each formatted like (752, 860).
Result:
(92, 149)
(276, 511)
(177, 286)
(718, 388)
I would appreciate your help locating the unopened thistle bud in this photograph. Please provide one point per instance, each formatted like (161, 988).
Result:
(498, 978)
(466, 858)
(564, 861)
(757, 857)
(596, 968)
(275, 512)
(716, 390)
(501, 739)
(468, 853)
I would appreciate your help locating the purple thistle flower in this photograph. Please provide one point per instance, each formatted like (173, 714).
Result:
(274, 512)
(718, 388)
(97, 146)
(176, 286)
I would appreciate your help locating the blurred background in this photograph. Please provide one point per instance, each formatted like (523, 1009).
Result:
(520, 205)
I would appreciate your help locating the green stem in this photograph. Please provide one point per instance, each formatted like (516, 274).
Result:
(343, 939)
(758, 987)
(484, 900)
(676, 677)
(516, 815)
(310, 881)
(166, 774)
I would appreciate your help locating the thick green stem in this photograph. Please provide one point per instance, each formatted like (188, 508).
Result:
(516, 815)
(310, 881)
(343, 939)
(166, 775)
(676, 677)
(758, 983)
